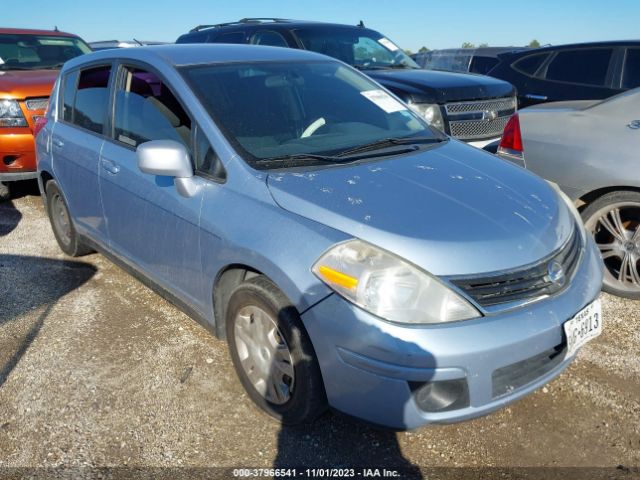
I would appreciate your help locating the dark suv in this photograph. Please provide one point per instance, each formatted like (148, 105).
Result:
(586, 71)
(473, 108)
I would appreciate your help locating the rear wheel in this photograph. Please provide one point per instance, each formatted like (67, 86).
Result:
(5, 191)
(614, 222)
(272, 353)
(62, 224)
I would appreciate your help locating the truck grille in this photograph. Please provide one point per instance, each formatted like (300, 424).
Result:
(481, 119)
(531, 283)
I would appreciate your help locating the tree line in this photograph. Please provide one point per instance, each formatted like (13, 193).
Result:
(533, 44)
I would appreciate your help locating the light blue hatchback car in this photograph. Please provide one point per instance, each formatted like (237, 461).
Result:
(351, 256)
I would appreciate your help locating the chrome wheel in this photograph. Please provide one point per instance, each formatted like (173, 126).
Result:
(616, 231)
(264, 355)
(60, 218)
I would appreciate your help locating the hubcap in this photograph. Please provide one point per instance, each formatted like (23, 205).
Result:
(61, 219)
(616, 230)
(264, 354)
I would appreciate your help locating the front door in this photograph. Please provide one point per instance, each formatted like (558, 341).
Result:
(150, 224)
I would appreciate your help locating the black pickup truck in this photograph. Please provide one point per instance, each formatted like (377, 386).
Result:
(472, 108)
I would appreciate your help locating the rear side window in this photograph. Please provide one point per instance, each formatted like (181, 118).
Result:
(267, 37)
(631, 74)
(146, 109)
(233, 37)
(86, 98)
(587, 66)
(531, 63)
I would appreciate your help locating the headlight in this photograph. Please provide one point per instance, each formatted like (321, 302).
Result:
(430, 112)
(11, 115)
(389, 287)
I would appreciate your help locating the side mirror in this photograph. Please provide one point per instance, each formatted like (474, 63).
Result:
(170, 159)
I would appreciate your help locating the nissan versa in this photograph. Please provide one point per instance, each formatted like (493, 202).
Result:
(351, 255)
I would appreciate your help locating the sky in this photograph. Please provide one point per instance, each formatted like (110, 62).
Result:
(409, 23)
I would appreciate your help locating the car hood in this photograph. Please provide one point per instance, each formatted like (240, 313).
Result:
(440, 87)
(22, 84)
(453, 210)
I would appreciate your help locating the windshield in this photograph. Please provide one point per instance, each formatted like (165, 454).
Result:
(31, 52)
(360, 47)
(274, 110)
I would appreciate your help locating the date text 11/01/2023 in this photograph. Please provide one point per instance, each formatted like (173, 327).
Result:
(316, 473)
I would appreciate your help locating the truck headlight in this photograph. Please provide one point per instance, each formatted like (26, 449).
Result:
(430, 112)
(390, 287)
(11, 115)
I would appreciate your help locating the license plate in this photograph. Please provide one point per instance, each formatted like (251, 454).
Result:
(586, 325)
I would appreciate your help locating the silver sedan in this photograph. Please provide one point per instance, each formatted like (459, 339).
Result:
(591, 149)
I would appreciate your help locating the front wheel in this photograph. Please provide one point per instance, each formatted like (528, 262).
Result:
(272, 353)
(614, 222)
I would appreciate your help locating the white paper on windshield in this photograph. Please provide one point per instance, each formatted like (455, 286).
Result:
(383, 100)
(385, 42)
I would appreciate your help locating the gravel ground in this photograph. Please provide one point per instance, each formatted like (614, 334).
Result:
(98, 371)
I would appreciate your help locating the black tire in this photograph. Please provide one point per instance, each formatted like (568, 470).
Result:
(61, 222)
(307, 398)
(5, 191)
(602, 211)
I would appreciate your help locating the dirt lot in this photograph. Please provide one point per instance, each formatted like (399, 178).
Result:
(98, 371)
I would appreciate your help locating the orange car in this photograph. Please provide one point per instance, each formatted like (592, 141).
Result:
(29, 64)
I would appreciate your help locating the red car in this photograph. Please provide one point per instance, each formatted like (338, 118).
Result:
(29, 64)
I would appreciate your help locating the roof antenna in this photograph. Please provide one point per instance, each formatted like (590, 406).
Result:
(361, 24)
(55, 28)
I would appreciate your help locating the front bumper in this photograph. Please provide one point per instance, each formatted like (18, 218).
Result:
(371, 367)
(17, 155)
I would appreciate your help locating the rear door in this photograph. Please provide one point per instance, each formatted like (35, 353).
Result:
(150, 225)
(574, 74)
(77, 141)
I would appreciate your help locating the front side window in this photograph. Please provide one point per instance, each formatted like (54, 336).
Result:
(146, 109)
(585, 66)
(268, 37)
(33, 52)
(92, 99)
(271, 109)
(359, 47)
(631, 74)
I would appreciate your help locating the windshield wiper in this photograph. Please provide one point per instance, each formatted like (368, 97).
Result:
(389, 142)
(52, 67)
(5, 66)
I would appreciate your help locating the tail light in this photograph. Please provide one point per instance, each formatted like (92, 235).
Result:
(40, 123)
(511, 143)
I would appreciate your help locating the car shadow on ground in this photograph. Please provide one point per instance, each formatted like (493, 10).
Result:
(31, 284)
(9, 218)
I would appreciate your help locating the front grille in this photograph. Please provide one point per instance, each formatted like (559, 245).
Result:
(478, 129)
(530, 283)
(512, 377)
(36, 103)
(480, 119)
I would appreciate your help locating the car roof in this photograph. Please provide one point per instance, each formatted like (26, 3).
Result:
(271, 22)
(194, 53)
(552, 48)
(27, 31)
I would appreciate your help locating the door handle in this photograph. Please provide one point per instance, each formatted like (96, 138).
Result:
(533, 96)
(57, 143)
(109, 166)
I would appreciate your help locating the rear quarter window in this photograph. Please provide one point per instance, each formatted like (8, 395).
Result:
(530, 64)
